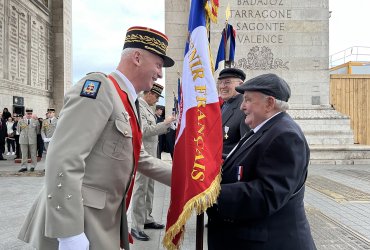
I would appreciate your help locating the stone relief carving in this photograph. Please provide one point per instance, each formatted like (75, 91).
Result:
(261, 58)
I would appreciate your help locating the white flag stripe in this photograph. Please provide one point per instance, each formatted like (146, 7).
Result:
(198, 41)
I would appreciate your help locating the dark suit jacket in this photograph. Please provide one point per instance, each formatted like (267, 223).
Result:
(264, 210)
(233, 119)
(161, 139)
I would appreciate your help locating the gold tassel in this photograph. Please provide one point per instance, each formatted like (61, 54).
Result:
(200, 203)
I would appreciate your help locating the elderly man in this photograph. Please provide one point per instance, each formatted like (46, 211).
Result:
(233, 124)
(142, 200)
(95, 151)
(260, 205)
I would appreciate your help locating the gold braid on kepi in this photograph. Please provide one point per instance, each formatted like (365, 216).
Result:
(150, 40)
(157, 89)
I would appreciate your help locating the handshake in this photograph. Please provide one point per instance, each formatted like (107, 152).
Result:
(47, 139)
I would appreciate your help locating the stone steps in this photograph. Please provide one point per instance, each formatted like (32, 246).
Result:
(340, 154)
(330, 137)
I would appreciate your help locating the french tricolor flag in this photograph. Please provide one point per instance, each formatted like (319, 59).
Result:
(197, 155)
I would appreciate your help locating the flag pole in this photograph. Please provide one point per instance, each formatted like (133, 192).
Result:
(199, 232)
(200, 217)
(227, 64)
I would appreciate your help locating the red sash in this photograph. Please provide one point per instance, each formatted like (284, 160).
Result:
(136, 137)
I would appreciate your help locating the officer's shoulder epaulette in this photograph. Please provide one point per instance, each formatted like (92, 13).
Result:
(97, 73)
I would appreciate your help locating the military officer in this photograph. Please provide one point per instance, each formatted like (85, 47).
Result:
(28, 129)
(142, 200)
(233, 124)
(95, 151)
(48, 127)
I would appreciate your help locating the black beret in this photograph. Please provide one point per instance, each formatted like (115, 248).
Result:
(269, 84)
(149, 39)
(51, 110)
(231, 72)
(29, 110)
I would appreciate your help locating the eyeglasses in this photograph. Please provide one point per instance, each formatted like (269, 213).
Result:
(227, 82)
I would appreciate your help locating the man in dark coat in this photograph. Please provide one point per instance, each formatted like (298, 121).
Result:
(260, 206)
(233, 125)
(3, 134)
(159, 114)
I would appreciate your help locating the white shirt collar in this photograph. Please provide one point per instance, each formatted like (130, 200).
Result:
(129, 85)
(263, 123)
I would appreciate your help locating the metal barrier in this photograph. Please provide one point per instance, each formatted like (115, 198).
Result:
(355, 53)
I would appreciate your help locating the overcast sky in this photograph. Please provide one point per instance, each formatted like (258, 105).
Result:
(99, 29)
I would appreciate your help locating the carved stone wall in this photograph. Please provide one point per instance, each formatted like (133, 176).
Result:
(286, 37)
(28, 54)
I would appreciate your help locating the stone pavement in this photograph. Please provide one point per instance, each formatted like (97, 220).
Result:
(337, 202)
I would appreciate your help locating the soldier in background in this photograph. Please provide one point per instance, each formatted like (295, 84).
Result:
(142, 199)
(48, 127)
(28, 129)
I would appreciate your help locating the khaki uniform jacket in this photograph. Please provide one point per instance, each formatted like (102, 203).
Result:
(28, 132)
(151, 129)
(89, 168)
(48, 128)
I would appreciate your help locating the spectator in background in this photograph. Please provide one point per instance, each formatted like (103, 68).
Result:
(40, 142)
(10, 141)
(6, 114)
(16, 136)
(170, 141)
(159, 113)
(3, 135)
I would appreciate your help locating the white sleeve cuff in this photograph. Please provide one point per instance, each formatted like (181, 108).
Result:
(80, 236)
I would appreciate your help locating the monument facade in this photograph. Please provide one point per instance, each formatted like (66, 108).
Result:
(287, 37)
(35, 54)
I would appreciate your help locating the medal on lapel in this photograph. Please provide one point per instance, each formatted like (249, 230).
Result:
(226, 129)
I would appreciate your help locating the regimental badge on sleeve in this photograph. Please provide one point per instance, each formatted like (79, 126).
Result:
(90, 89)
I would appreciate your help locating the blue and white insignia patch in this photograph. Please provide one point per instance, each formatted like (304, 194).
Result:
(90, 89)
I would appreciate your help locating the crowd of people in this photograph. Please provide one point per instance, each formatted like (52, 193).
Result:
(26, 133)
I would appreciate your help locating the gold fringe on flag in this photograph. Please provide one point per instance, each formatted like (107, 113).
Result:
(211, 7)
(200, 203)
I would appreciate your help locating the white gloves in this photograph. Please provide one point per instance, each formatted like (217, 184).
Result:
(77, 242)
(173, 125)
(47, 139)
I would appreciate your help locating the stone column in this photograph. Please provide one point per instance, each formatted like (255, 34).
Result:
(62, 60)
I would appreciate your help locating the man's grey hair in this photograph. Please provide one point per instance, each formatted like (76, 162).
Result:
(128, 51)
(279, 104)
